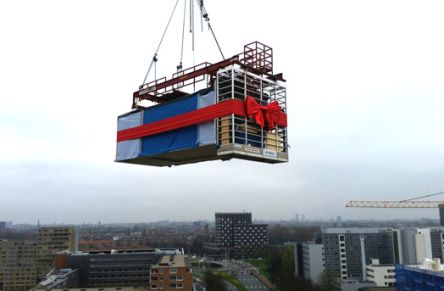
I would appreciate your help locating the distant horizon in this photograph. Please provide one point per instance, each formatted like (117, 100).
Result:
(276, 221)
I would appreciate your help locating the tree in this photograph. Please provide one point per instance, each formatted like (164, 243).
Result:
(330, 281)
(281, 268)
(214, 282)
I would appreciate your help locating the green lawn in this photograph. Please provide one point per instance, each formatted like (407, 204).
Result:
(233, 280)
(262, 266)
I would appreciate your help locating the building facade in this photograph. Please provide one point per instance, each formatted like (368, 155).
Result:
(417, 244)
(18, 266)
(23, 262)
(51, 240)
(349, 250)
(110, 268)
(381, 275)
(236, 234)
(313, 261)
(225, 223)
(172, 273)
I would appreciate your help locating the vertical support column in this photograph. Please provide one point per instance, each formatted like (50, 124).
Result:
(363, 260)
(245, 97)
(217, 120)
(232, 115)
(441, 214)
(278, 140)
(262, 129)
(342, 256)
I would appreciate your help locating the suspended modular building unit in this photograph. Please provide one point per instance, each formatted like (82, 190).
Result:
(236, 109)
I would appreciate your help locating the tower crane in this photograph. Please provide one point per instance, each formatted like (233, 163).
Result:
(408, 203)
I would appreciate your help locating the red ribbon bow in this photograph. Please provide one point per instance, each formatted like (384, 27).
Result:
(272, 113)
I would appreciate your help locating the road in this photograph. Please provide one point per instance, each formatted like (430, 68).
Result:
(242, 272)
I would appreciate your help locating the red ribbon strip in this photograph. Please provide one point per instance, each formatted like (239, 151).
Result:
(232, 106)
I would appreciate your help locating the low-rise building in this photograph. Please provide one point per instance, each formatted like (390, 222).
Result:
(428, 276)
(172, 273)
(382, 275)
(118, 269)
(60, 279)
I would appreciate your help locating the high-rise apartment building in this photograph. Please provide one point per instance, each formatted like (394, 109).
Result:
(236, 234)
(225, 223)
(413, 245)
(349, 250)
(310, 261)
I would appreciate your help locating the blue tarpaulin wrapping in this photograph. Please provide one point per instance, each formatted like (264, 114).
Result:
(183, 138)
(173, 140)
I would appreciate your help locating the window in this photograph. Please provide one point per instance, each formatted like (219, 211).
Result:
(173, 270)
(153, 286)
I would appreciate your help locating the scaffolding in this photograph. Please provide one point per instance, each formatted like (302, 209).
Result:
(241, 134)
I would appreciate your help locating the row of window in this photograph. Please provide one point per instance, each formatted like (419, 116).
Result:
(171, 278)
(160, 271)
(160, 286)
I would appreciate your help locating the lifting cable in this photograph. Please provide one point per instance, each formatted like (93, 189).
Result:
(207, 19)
(179, 67)
(192, 29)
(425, 196)
(160, 43)
(204, 15)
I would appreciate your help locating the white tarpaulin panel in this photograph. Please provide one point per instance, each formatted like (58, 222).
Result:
(206, 131)
(129, 149)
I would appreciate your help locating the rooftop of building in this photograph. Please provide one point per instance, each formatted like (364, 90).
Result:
(230, 213)
(162, 251)
(55, 277)
(428, 265)
(102, 289)
(171, 261)
(376, 263)
(343, 230)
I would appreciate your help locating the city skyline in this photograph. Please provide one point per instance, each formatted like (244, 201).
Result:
(364, 102)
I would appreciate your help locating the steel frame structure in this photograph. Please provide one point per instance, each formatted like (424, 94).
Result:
(256, 58)
(235, 82)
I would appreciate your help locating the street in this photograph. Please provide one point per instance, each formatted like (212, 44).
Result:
(242, 272)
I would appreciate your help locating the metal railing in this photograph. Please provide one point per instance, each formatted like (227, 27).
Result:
(236, 83)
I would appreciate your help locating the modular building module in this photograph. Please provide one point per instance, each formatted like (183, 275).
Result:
(236, 109)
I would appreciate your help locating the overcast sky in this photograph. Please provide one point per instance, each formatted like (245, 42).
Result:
(365, 102)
